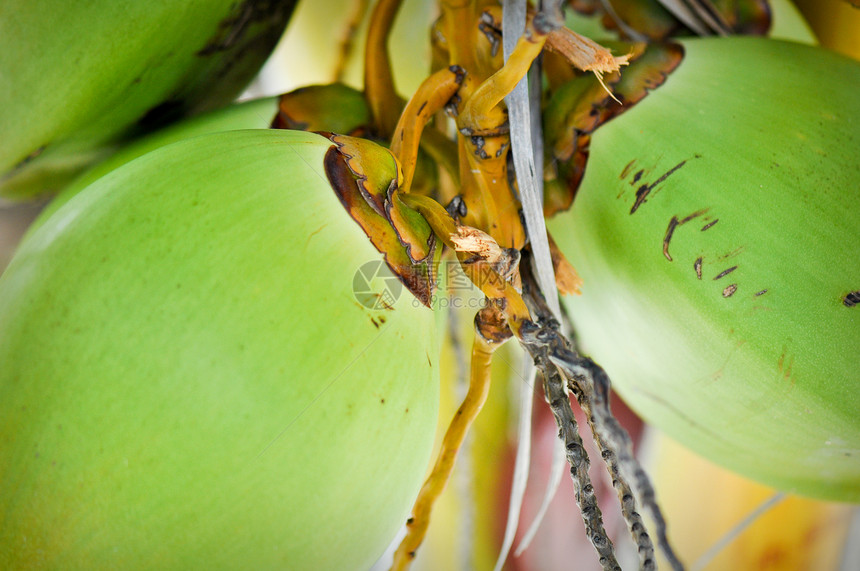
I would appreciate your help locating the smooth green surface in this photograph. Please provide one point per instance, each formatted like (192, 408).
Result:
(75, 76)
(188, 381)
(257, 114)
(767, 385)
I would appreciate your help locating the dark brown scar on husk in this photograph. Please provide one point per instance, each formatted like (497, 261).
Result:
(725, 272)
(673, 224)
(648, 69)
(644, 190)
(851, 299)
(418, 278)
(627, 168)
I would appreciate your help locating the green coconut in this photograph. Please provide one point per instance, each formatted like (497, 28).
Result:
(78, 78)
(189, 379)
(717, 230)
